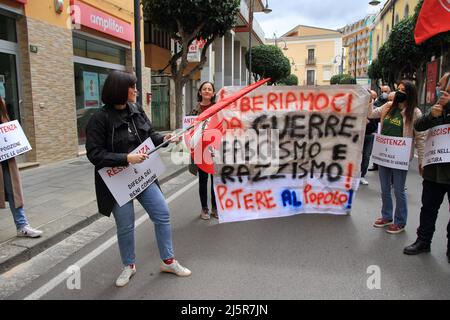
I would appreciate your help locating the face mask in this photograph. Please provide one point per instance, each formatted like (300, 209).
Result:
(384, 96)
(400, 97)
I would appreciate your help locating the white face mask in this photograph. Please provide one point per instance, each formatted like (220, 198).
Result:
(384, 96)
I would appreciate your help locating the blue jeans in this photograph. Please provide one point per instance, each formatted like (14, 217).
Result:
(398, 178)
(18, 213)
(154, 203)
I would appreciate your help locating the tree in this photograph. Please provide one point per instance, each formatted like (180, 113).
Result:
(268, 61)
(186, 21)
(290, 80)
(342, 79)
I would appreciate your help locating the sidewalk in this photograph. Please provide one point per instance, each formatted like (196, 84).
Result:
(60, 200)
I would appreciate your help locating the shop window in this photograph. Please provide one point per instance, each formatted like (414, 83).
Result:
(99, 51)
(8, 29)
(89, 81)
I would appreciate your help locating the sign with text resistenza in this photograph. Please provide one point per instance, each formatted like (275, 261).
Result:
(392, 152)
(311, 138)
(13, 141)
(126, 183)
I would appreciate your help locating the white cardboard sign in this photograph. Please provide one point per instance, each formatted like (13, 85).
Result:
(126, 183)
(437, 145)
(392, 152)
(13, 141)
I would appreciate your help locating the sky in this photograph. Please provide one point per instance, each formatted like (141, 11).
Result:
(330, 14)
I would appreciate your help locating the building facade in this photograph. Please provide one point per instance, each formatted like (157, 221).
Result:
(357, 38)
(54, 58)
(315, 53)
(392, 12)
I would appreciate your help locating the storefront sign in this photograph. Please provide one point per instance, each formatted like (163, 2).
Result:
(195, 49)
(126, 183)
(392, 152)
(91, 90)
(101, 21)
(437, 148)
(13, 141)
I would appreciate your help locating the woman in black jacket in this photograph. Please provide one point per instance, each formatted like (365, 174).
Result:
(112, 133)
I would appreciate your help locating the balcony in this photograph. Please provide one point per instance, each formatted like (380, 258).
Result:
(310, 61)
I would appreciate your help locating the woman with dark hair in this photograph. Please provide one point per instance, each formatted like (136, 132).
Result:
(11, 189)
(112, 133)
(397, 120)
(206, 97)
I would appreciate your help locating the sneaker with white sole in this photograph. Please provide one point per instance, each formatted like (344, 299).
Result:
(126, 275)
(176, 268)
(364, 182)
(29, 232)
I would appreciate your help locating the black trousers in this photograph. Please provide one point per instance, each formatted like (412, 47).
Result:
(203, 189)
(432, 196)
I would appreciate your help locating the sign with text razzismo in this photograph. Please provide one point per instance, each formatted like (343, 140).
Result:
(290, 150)
(13, 141)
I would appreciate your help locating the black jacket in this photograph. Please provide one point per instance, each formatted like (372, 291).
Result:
(107, 145)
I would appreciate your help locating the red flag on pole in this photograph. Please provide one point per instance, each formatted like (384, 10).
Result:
(207, 132)
(434, 18)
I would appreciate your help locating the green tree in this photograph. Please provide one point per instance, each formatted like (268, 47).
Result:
(399, 57)
(290, 80)
(185, 21)
(342, 79)
(268, 61)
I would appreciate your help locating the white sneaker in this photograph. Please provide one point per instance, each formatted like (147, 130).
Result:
(364, 182)
(176, 268)
(28, 231)
(126, 275)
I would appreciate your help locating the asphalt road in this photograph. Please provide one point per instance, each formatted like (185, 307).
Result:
(298, 257)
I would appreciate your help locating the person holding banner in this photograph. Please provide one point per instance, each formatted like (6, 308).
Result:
(112, 133)
(206, 97)
(11, 189)
(397, 120)
(436, 176)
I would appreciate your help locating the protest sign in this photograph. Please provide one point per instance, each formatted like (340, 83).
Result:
(126, 183)
(291, 150)
(437, 146)
(392, 152)
(13, 141)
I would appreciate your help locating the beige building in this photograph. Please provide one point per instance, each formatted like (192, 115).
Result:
(315, 53)
(392, 12)
(357, 40)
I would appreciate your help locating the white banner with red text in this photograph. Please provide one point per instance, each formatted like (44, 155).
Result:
(126, 183)
(290, 150)
(392, 152)
(437, 145)
(13, 141)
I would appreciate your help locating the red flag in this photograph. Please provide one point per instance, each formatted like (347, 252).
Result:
(434, 18)
(205, 137)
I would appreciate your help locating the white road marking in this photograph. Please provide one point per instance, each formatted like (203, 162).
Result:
(53, 283)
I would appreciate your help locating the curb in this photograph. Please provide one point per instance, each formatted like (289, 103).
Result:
(24, 253)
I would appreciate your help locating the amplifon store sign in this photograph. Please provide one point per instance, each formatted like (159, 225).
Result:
(93, 18)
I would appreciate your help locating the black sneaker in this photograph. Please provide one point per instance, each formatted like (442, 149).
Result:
(417, 247)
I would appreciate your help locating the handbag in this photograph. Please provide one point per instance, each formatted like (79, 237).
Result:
(193, 167)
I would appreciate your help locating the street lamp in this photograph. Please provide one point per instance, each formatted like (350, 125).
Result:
(276, 42)
(250, 31)
(293, 63)
(374, 3)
